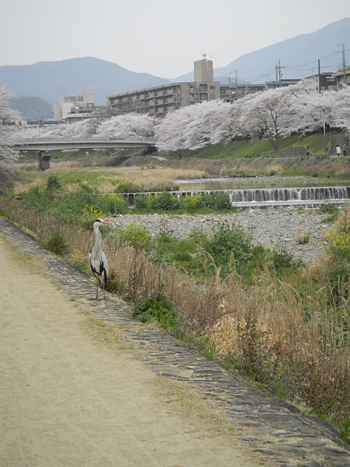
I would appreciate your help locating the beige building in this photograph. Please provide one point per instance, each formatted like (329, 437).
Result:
(73, 104)
(162, 99)
(342, 77)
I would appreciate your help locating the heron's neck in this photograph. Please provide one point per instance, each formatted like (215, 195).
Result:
(98, 239)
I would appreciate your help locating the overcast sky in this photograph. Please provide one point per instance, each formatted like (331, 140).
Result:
(160, 37)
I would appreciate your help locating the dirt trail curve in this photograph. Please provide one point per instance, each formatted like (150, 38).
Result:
(67, 399)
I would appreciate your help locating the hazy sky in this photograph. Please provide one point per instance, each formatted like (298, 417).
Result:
(160, 37)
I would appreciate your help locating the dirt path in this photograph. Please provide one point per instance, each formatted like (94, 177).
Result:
(68, 400)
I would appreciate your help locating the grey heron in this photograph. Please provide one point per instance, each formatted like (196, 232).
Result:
(97, 258)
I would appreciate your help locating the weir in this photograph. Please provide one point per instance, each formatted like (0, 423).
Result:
(262, 197)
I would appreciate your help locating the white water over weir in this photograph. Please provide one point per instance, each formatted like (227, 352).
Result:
(262, 197)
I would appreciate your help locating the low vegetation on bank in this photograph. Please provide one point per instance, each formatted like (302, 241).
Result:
(281, 323)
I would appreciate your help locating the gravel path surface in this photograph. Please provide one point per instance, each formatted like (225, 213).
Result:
(269, 227)
(69, 400)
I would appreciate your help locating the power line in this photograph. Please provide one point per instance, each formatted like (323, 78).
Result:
(300, 67)
(261, 76)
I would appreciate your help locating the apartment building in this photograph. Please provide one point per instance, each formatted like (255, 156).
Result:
(231, 91)
(169, 97)
(78, 104)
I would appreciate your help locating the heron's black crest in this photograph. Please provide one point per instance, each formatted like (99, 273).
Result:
(97, 220)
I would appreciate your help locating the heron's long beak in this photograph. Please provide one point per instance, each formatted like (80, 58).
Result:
(106, 222)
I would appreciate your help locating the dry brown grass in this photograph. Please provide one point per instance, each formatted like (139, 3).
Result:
(107, 178)
(263, 329)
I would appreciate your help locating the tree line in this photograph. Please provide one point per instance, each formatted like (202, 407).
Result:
(271, 115)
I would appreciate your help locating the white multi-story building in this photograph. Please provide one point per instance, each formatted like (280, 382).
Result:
(69, 104)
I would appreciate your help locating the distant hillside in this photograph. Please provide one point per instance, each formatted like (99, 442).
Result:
(49, 80)
(299, 55)
(30, 106)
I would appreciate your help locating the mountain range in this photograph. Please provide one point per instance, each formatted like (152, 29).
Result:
(50, 80)
(298, 58)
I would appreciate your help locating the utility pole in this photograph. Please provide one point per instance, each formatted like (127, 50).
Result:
(319, 76)
(276, 75)
(279, 74)
(229, 81)
(344, 75)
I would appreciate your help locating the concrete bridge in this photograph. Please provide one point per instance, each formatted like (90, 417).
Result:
(88, 144)
(43, 148)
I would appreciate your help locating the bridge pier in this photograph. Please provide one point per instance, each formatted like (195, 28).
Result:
(44, 160)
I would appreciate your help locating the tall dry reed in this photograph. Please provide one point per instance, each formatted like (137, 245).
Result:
(282, 332)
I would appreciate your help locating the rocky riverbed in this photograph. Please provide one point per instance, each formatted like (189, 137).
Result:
(268, 227)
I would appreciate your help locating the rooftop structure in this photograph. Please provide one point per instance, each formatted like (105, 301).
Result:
(280, 84)
(74, 104)
(323, 81)
(342, 77)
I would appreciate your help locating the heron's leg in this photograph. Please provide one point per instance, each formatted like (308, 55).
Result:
(96, 298)
(103, 286)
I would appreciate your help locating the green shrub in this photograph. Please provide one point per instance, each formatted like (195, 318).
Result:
(111, 203)
(53, 182)
(217, 200)
(167, 186)
(141, 202)
(282, 258)
(36, 200)
(57, 243)
(337, 242)
(338, 280)
(328, 208)
(303, 239)
(157, 309)
(198, 236)
(228, 240)
(89, 215)
(191, 203)
(128, 187)
(71, 206)
(134, 234)
(164, 202)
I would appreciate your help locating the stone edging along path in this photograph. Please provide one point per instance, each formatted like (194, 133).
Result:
(275, 429)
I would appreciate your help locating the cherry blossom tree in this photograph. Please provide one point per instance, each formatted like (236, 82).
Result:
(127, 126)
(271, 114)
(341, 108)
(7, 115)
(130, 126)
(194, 126)
(274, 114)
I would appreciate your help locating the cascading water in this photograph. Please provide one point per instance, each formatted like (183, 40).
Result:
(263, 195)
(289, 194)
